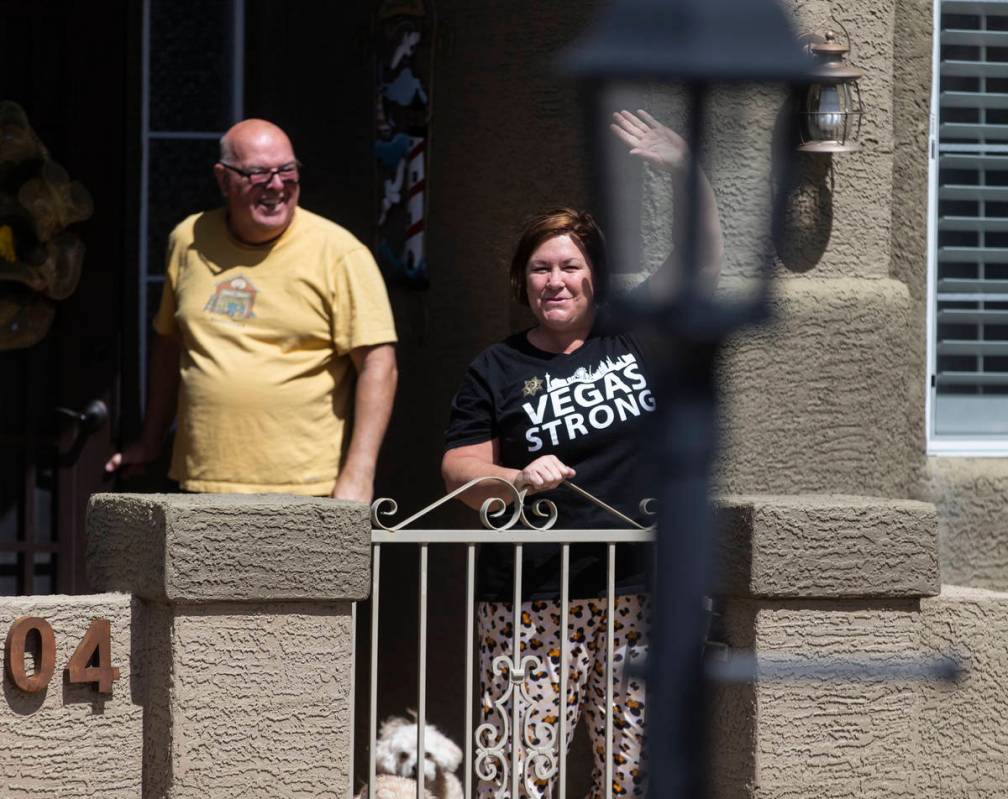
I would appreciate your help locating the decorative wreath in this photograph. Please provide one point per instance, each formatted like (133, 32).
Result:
(40, 259)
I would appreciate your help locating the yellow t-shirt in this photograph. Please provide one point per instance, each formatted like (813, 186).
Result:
(266, 379)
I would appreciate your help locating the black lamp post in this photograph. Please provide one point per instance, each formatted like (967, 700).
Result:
(692, 44)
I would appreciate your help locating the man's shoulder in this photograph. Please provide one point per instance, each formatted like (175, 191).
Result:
(185, 231)
(333, 234)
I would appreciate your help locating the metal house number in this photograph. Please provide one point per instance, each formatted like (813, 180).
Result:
(91, 661)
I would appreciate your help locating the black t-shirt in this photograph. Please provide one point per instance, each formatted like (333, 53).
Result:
(589, 409)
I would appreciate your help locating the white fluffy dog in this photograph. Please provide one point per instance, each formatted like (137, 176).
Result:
(396, 762)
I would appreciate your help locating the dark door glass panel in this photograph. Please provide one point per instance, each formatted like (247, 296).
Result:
(44, 503)
(10, 572)
(181, 183)
(190, 64)
(44, 581)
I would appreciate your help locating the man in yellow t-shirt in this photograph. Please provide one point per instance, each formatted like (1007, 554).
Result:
(274, 328)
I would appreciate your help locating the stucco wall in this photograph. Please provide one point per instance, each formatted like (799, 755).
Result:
(911, 110)
(259, 701)
(850, 737)
(826, 546)
(971, 494)
(964, 750)
(243, 636)
(825, 737)
(818, 401)
(848, 700)
(69, 740)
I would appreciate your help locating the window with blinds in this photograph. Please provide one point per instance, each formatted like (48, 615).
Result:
(969, 375)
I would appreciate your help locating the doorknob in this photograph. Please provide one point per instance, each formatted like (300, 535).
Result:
(94, 416)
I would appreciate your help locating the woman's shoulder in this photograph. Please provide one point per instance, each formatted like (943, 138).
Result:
(514, 348)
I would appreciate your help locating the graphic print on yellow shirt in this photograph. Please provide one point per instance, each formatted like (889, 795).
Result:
(233, 298)
(266, 378)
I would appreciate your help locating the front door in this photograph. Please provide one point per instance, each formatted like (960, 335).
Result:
(72, 67)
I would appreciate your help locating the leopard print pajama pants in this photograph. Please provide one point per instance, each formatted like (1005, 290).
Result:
(586, 688)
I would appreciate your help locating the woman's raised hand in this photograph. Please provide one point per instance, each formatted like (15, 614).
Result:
(650, 140)
(544, 473)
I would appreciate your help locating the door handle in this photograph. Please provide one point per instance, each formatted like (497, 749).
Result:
(91, 419)
(82, 424)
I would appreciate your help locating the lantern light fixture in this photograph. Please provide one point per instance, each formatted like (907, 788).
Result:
(831, 107)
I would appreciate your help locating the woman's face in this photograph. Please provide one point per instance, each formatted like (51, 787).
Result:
(559, 283)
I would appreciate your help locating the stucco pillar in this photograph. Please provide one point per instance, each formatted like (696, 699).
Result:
(823, 580)
(246, 661)
(835, 596)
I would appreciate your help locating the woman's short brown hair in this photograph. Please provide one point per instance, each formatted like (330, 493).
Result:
(584, 232)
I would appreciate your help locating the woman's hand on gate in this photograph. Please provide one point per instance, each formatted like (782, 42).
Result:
(543, 474)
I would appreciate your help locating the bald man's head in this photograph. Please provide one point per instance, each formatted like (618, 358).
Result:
(248, 133)
(259, 178)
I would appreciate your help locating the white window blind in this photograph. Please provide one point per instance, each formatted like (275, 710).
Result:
(969, 349)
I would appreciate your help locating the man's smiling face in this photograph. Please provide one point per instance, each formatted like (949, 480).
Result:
(258, 213)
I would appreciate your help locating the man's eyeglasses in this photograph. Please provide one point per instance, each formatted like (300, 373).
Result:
(257, 176)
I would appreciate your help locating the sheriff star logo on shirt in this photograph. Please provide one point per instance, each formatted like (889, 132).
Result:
(532, 387)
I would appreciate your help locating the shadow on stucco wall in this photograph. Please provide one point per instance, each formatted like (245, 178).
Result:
(151, 686)
(803, 237)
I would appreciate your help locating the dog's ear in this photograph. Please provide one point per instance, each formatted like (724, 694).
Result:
(442, 750)
(385, 756)
(390, 725)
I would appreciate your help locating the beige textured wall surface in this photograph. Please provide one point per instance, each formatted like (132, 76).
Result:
(259, 702)
(971, 495)
(840, 220)
(817, 404)
(819, 546)
(820, 402)
(70, 741)
(192, 547)
(248, 696)
(831, 738)
(862, 188)
(817, 735)
(911, 108)
(964, 746)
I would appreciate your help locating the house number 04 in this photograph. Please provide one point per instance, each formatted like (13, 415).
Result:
(91, 661)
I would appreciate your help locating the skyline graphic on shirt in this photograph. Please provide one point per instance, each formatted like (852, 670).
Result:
(583, 375)
(589, 400)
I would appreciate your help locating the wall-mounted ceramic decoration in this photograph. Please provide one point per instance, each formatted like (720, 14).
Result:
(404, 34)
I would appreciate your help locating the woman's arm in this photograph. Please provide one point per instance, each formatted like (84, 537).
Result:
(462, 464)
(659, 145)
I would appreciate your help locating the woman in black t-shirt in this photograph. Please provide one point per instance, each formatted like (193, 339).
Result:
(565, 400)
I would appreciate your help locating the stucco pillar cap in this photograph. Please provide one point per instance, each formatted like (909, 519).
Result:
(827, 546)
(221, 547)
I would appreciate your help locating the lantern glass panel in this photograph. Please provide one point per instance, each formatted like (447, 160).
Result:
(827, 119)
(830, 112)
